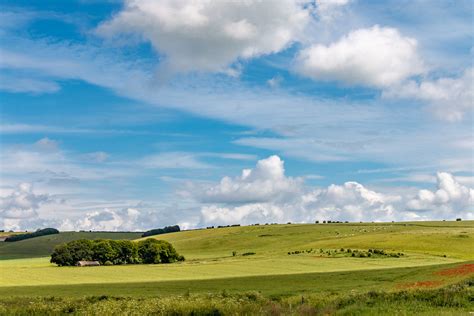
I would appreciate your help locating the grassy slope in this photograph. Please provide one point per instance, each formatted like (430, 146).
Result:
(43, 246)
(454, 239)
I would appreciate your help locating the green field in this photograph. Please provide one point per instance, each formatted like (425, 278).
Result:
(435, 255)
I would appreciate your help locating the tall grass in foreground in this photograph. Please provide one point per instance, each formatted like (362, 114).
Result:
(455, 299)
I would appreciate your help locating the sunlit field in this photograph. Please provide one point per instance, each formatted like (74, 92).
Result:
(294, 269)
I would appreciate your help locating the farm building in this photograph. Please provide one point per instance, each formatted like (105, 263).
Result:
(87, 263)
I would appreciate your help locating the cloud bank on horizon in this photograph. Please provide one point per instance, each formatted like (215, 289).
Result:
(137, 114)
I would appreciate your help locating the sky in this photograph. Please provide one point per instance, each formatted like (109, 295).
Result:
(138, 114)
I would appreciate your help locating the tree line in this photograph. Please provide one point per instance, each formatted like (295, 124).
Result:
(38, 233)
(159, 231)
(114, 252)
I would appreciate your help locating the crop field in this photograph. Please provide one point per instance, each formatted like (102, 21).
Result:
(278, 262)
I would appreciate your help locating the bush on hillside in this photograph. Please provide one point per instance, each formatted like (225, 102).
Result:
(159, 231)
(115, 252)
(157, 251)
(38, 233)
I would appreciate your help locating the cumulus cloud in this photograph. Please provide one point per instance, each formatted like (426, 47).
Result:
(350, 201)
(105, 220)
(450, 198)
(20, 204)
(449, 98)
(210, 35)
(376, 56)
(266, 181)
(266, 194)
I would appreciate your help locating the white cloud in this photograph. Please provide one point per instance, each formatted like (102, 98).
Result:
(105, 220)
(18, 207)
(350, 201)
(139, 217)
(210, 35)
(450, 199)
(449, 98)
(249, 199)
(265, 182)
(266, 194)
(376, 56)
(21, 202)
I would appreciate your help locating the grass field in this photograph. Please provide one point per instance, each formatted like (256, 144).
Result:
(435, 255)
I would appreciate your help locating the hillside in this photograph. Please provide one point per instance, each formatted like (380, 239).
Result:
(43, 246)
(453, 239)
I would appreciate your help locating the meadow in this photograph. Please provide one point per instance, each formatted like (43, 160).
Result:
(274, 265)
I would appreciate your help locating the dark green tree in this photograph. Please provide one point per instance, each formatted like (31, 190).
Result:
(157, 251)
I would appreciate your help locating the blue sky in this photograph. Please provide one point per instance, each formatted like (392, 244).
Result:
(139, 114)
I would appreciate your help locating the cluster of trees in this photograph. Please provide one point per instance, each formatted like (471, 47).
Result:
(158, 231)
(223, 226)
(110, 252)
(38, 233)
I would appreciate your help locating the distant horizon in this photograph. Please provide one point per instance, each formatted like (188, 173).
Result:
(235, 225)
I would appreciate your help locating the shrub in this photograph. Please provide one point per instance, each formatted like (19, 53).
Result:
(38, 233)
(251, 253)
(159, 231)
(108, 263)
(157, 251)
(234, 253)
